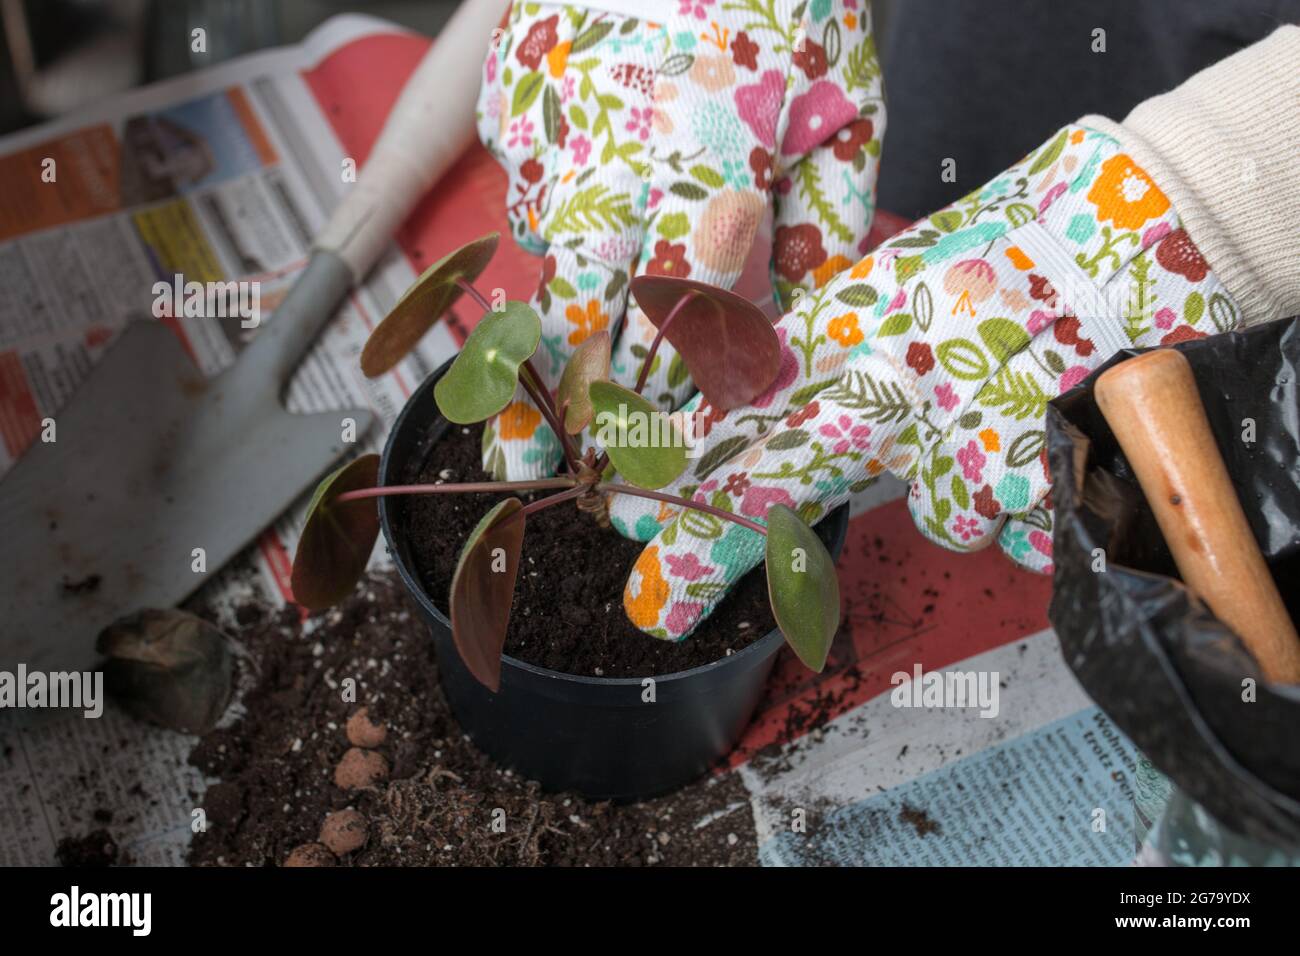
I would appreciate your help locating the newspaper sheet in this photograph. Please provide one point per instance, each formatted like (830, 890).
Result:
(226, 174)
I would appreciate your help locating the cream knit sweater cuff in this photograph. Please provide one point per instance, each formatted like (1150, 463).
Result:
(1225, 148)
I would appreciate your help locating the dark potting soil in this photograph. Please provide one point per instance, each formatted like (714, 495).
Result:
(444, 803)
(919, 820)
(568, 607)
(97, 848)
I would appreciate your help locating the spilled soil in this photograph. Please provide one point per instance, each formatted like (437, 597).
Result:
(423, 795)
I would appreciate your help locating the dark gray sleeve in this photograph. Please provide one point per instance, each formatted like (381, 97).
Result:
(985, 81)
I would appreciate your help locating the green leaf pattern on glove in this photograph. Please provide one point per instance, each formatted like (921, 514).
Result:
(934, 358)
(633, 146)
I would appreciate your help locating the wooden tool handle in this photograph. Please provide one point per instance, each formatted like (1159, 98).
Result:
(1152, 406)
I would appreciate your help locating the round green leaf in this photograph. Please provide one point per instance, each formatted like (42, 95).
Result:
(526, 90)
(431, 295)
(1026, 447)
(923, 306)
(907, 266)
(589, 363)
(1222, 312)
(483, 378)
(483, 589)
(720, 454)
(946, 221)
(802, 586)
(831, 41)
(1049, 153)
(337, 539)
(859, 295)
(1003, 337)
(896, 324)
(790, 438)
(643, 443)
(959, 493)
(728, 344)
(963, 359)
(1019, 213)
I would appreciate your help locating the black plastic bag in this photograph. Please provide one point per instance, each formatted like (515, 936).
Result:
(1149, 653)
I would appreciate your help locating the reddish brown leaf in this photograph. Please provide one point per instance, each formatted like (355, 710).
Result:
(337, 539)
(483, 589)
(589, 363)
(727, 343)
(426, 301)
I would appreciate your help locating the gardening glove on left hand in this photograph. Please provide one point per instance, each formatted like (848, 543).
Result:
(636, 146)
(935, 357)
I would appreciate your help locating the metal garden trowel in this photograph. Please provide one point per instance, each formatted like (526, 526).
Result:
(152, 461)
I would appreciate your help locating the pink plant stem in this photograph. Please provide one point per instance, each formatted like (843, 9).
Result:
(622, 489)
(542, 399)
(465, 487)
(474, 294)
(536, 506)
(659, 337)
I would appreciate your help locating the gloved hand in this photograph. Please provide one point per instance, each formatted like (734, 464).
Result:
(934, 358)
(634, 146)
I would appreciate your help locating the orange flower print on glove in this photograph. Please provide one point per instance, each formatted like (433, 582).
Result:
(588, 321)
(519, 421)
(844, 329)
(1125, 194)
(643, 605)
(829, 269)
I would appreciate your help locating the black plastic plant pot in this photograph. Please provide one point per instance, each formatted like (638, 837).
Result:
(597, 736)
(1144, 647)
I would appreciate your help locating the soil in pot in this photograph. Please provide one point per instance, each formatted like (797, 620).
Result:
(568, 607)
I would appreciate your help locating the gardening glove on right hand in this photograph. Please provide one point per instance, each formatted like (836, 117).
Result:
(935, 356)
(635, 146)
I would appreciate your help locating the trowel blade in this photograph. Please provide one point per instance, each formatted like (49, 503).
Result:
(150, 463)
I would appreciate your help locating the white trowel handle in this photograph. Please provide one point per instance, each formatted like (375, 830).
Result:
(427, 129)
(431, 123)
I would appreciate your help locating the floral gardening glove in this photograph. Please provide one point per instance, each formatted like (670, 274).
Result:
(934, 358)
(636, 146)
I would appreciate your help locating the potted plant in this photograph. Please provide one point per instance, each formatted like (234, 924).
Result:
(604, 737)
